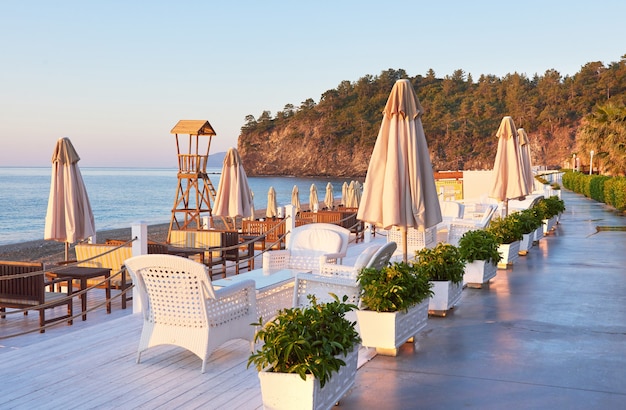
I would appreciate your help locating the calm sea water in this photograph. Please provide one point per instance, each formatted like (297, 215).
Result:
(121, 196)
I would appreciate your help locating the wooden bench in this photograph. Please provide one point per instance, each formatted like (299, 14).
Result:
(113, 260)
(272, 232)
(29, 292)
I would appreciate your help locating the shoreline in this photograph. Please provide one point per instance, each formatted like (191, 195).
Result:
(48, 251)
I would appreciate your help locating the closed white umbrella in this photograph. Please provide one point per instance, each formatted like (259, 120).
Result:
(295, 199)
(314, 202)
(344, 194)
(69, 217)
(508, 178)
(400, 186)
(251, 206)
(351, 196)
(329, 198)
(527, 169)
(272, 210)
(233, 193)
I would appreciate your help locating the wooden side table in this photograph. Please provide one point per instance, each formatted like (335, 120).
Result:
(81, 274)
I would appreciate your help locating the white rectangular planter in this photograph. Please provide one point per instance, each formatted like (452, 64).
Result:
(548, 225)
(288, 390)
(526, 243)
(478, 273)
(445, 296)
(538, 233)
(387, 331)
(509, 252)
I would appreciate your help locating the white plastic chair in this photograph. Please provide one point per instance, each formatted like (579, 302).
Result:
(181, 307)
(459, 226)
(308, 246)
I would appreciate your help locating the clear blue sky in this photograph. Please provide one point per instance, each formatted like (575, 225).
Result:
(116, 75)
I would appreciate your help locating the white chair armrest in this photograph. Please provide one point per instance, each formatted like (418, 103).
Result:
(342, 271)
(322, 286)
(278, 259)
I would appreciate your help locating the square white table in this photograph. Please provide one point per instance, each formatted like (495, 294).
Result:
(274, 289)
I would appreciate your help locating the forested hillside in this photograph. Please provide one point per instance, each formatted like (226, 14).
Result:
(336, 135)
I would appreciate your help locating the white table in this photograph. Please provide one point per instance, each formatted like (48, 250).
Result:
(274, 289)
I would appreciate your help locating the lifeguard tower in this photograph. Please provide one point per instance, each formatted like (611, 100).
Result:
(195, 191)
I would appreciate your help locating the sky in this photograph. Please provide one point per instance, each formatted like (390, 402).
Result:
(115, 76)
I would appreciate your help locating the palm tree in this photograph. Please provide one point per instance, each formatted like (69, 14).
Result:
(604, 131)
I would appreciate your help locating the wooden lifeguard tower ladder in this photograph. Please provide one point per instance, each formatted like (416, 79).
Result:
(195, 190)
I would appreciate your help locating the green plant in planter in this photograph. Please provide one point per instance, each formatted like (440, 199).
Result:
(479, 245)
(306, 340)
(527, 219)
(393, 288)
(441, 263)
(551, 206)
(506, 230)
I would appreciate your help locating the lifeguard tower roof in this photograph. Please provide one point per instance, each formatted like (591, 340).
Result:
(193, 127)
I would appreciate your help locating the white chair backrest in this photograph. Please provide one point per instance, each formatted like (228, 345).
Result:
(365, 257)
(344, 235)
(451, 209)
(382, 256)
(164, 280)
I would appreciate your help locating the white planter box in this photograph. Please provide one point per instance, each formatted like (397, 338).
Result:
(548, 225)
(387, 331)
(288, 390)
(538, 233)
(445, 296)
(478, 273)
(509, 252)
(526, 243)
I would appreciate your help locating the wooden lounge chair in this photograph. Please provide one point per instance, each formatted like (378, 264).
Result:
(29, 292)
(181, 307)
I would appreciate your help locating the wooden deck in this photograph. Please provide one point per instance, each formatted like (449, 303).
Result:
(91, 364)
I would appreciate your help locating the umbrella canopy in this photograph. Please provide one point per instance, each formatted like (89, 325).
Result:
(400, 186)
(527, 169)
(329, 198)
(233, 193)
(314, 202)
(272, 210)
(508, 179)
(69, 217)
(295, 199)
(344, 193)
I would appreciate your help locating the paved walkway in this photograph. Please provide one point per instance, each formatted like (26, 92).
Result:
(550, 333)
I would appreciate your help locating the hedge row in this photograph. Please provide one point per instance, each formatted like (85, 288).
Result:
(610, 190)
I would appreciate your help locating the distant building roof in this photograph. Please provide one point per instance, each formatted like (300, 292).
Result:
(193, 127)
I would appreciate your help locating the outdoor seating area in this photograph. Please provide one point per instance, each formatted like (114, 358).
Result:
(422, 364)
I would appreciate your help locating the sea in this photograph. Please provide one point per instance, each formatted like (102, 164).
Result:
(122, 196)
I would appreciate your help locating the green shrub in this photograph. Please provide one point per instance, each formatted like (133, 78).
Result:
(393, 288)
(441, 263)
(506, 230)
(306, 340)
(479, 245)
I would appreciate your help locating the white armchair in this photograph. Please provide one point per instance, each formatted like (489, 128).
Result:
(340, 279)
(308, 246)
(181, 307)
(458, 227)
